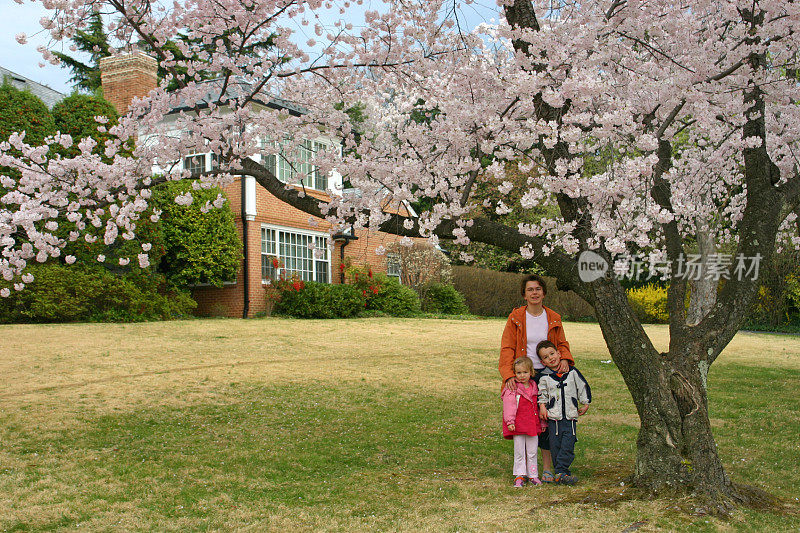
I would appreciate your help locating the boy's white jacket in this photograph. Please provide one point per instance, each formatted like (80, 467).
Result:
(561, 395)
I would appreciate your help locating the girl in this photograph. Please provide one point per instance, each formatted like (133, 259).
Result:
(521, 422)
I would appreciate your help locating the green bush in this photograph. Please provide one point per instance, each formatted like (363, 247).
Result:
(320, 300)
(777, 302)
(394, 299)
(649, 304)
(345, 301)
(77, 293)
(443, 298)
(793, 295)
(21, 111)
(199, 248)
(307, 302)
(75, 114)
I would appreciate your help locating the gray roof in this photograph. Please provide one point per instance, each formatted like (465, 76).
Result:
(238, 88)
(49, 96)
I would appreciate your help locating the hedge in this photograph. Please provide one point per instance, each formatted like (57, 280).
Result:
(492, 293)
(78, 293)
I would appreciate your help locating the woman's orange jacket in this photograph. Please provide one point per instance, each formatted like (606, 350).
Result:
(515, 340)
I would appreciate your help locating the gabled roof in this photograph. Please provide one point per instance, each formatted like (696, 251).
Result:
(49, 96)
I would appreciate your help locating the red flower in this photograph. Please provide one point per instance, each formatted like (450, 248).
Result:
(369, 273)
(356, 276)
(364, 292)
(276, 263)
(341, 267)
(375, 290)
(298, 286)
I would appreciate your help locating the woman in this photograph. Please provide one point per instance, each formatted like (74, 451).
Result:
(526, 327)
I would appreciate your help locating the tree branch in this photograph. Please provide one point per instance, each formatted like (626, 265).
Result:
(563, 266)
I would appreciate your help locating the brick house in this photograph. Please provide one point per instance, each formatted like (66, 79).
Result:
(267, 226)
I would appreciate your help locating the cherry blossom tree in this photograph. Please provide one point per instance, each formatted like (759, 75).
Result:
(646, 126)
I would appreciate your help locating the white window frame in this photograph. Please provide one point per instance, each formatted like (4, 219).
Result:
(294, 264)
(283, 169)
(393, 262)
(210, 162)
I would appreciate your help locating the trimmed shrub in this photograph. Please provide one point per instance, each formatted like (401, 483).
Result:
(198, 247)
(345, 301)
(320, 300)
(649, 304)
(443, 298)
(21, 111)
(383, 293)
(308, 302)
(75, 114)
(68, 294)
(492, 293)
(394, 299)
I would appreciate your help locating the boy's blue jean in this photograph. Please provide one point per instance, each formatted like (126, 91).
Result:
(562, 444)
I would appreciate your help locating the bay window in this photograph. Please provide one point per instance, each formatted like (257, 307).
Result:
(293, 249)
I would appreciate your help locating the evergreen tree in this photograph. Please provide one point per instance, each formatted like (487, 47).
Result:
(94, 42)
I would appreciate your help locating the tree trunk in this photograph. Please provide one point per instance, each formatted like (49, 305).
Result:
(704, 289)
(675, 446)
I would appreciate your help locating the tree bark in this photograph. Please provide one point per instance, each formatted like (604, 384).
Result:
(704, 289)
(675, 447)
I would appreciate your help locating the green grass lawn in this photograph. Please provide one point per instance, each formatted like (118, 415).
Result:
(385, 424)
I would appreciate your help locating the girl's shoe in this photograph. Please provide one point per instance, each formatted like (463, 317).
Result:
(534, 481)
(547, 477)
(519, 481)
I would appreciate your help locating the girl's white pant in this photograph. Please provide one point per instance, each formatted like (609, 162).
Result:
(525, 449)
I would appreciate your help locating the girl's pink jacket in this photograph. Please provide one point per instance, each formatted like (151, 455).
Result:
(520, 408)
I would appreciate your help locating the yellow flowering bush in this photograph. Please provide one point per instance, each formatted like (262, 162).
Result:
(649, 303)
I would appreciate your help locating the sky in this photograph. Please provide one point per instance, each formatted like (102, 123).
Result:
(25, 60)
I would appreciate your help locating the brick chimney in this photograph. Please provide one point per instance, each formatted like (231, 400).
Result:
(127, 75)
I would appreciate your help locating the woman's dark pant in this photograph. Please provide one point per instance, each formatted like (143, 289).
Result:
(562, 444)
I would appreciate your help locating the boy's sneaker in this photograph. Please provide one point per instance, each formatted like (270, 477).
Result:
(534, 481)
(519, 482)
(566, 479)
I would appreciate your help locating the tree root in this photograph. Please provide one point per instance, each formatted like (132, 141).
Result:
(610, 487)
(713, 501)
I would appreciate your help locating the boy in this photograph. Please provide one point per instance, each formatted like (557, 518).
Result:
(559, 397)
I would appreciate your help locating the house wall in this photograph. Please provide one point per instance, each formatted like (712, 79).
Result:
(229, 300)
